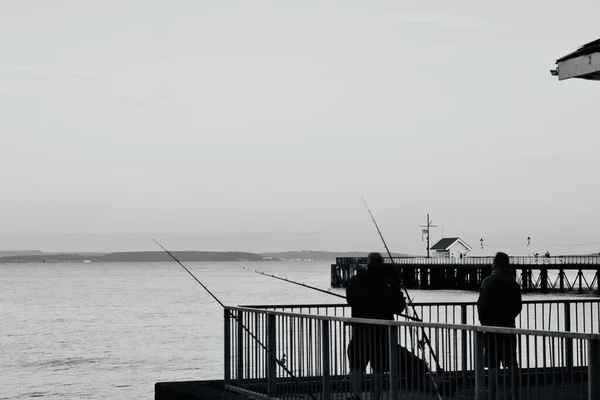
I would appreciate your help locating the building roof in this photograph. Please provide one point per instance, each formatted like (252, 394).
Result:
(584, 63)
(586, 49)
(446, 243)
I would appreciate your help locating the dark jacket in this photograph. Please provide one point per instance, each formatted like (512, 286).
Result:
(499, 300)
(373, 295)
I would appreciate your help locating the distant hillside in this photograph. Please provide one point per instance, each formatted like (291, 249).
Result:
(190, 256)
(35, 256)
(320, 255)
(20, 253)
(134, 256)
(50, 257)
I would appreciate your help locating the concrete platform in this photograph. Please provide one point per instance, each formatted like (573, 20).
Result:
(194, 390)
(214, 390)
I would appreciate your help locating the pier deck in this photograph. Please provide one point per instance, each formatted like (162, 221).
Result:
(215, 390)
(194, 390)
(544, 274)
(527, 389)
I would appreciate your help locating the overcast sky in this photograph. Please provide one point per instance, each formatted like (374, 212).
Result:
(259, 125)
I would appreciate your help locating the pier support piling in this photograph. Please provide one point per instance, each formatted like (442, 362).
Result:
(424, 278)
(544, 279)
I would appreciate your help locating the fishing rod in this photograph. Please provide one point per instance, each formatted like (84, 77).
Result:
(324, 291)
(279, 362)
(384, 244)
(301, 284)
(327, 292)
(188, 271)
(425, 337)
(391, 259)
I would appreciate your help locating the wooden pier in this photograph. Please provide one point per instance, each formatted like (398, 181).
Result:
(577, 274)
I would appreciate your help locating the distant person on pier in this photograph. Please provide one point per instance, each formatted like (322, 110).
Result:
(373, 295)
(499, 304)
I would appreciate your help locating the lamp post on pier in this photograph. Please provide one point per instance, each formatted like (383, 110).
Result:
(481, 242)
(528, 244)
(425, 229)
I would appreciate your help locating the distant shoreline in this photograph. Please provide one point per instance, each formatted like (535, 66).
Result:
(34, 256)
(133, 256)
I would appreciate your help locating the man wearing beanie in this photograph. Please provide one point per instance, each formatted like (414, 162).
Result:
(499, 304)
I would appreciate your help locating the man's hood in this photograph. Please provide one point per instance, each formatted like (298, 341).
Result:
(504, 273)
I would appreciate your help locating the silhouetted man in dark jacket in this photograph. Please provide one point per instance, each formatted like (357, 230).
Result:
(373, 295)
(499, 304)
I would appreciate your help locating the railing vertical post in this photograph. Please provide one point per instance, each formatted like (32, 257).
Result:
(479, 365)
(227, 347)
(271, 356)
(593, 368)
(463, 342)
(325, 356)
(394, 358)
(568, 341)
(239, 376)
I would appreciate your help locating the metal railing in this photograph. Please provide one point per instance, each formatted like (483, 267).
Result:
(476, 260)
(568, 315)
(276, 354)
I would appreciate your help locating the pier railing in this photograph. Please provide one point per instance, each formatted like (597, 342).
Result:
(477, 260)
(568, 315)
(274, 354)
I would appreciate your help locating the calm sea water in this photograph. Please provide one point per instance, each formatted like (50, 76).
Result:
(100, 331)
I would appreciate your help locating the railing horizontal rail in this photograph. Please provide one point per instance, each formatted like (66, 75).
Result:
(570, 315)
(472, 328)
(478, 260)
(428, 303)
